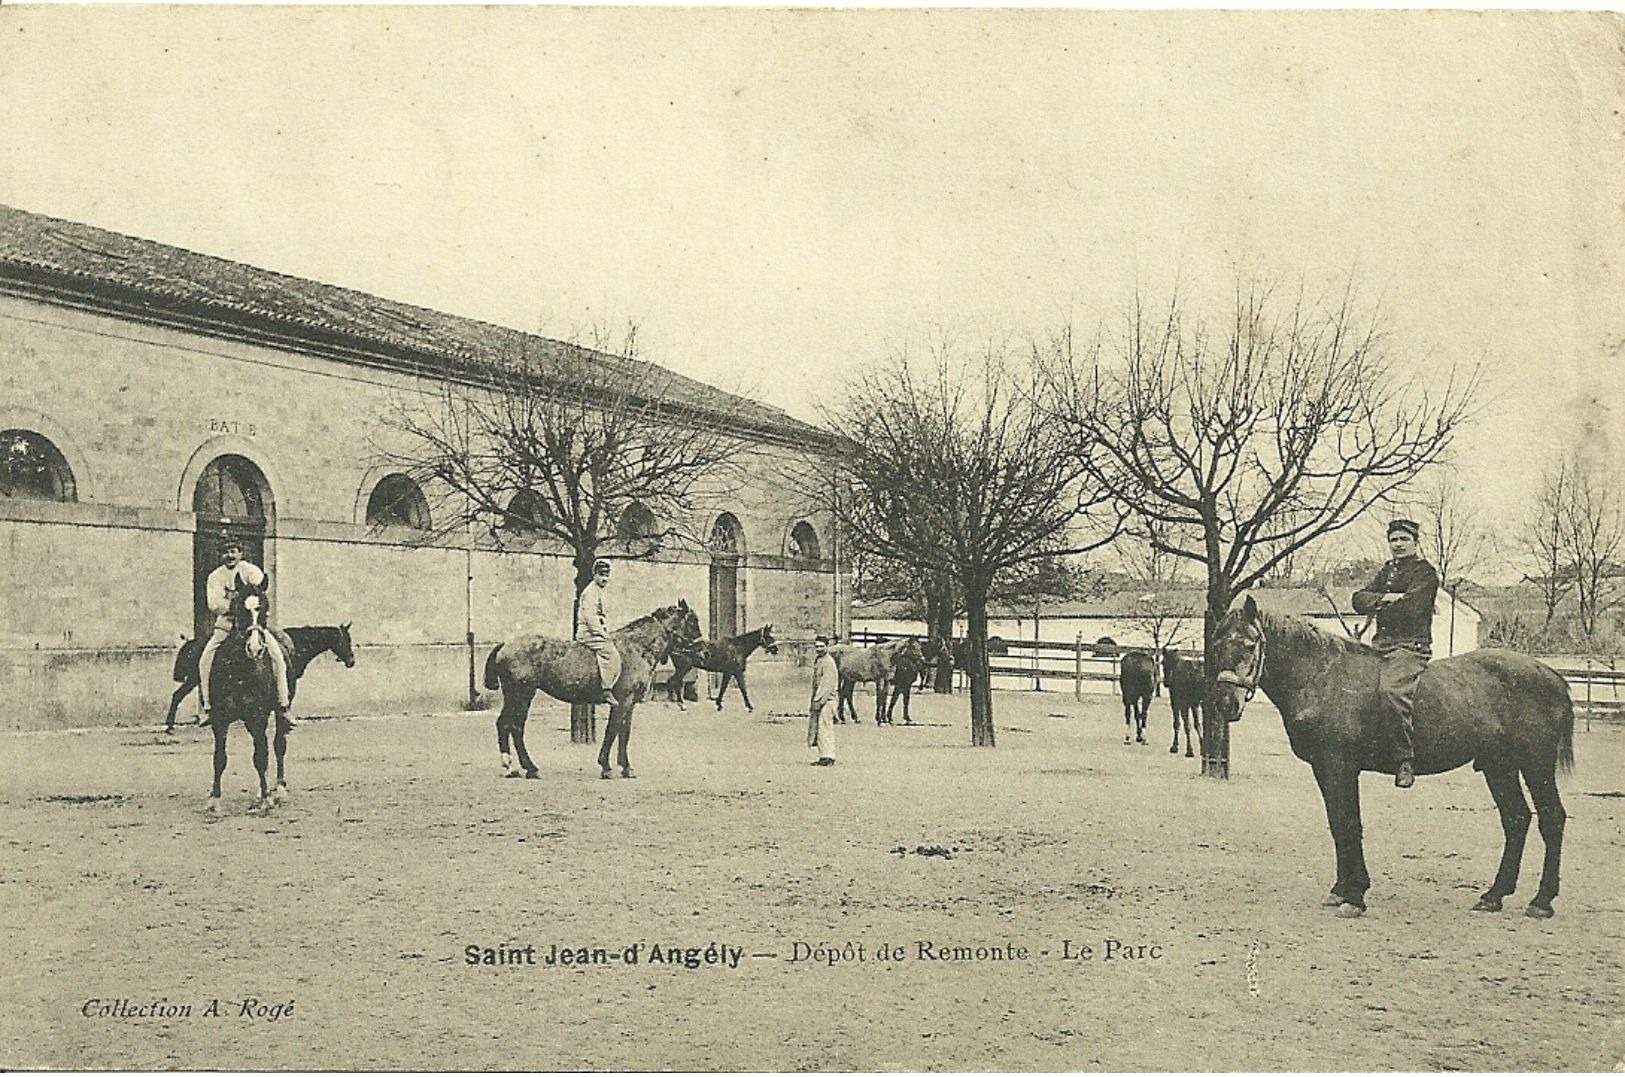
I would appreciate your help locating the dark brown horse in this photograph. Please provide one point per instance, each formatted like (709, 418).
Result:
(1505, 713)
(568, 671)
(309, 642)
(242, 688)
(726, 657)
(875, 664)
(1137, 678)
(906, 672)
(1183, 677)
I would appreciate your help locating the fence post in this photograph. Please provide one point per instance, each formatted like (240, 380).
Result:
(1077, 668)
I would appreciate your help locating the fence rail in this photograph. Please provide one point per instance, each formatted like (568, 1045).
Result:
(1078, 662)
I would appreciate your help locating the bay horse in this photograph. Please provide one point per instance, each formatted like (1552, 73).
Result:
(1507, 714)
(568, 671)
(877, 664)
(309, 642)
(1137, 679)
(1183, 677)
(726, 657)
(242, 688)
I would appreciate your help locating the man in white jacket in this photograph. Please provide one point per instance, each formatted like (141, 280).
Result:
(221, 587)
(592, 629)
(826, 683)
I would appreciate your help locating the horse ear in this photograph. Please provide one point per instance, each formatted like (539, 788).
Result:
(1250, 610)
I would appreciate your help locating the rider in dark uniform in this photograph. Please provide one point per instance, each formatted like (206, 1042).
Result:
(1400, 598)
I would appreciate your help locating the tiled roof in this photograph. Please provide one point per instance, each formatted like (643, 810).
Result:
(107, 269)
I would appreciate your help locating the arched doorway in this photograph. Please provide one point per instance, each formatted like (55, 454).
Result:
(727, 550)
(233, 497)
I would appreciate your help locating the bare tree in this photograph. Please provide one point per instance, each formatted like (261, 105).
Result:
(1543, 539)
(958, 470)
(1282, 427)
(587, 445)
(1454, 536)
(1593, 529)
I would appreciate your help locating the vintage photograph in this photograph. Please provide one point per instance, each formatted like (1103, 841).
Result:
(747, 540)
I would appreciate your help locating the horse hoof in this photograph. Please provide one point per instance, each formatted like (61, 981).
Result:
(606, 775)
(213, 807)
(279, 794)
(1190, 755)
(533, 774)
(510, 774)
(1539, 912)
(1330, 901)
(627, 773)
(1346, 911)
(1487, 904)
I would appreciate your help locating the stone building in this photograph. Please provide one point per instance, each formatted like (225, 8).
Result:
(151, 396)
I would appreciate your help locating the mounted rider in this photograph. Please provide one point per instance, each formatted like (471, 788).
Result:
(1400, 598)
(233, 573)
(592, 629)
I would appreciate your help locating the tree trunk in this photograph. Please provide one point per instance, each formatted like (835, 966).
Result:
(939, 614)
(583, 716)
(1215, 731)
(981, 682)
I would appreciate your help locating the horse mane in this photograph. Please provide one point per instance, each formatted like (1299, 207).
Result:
(1298, 634)
(651, 616)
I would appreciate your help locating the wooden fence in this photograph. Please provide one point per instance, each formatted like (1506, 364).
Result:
(1046, 663)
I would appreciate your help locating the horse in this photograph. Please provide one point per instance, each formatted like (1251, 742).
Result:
(568, 671)
(906, 672)
(1137, 678)
(876, 664)
(726, 657)
(957, 652)
(1507, 714)
(1183, 677)
(242, 687)
(308, 642)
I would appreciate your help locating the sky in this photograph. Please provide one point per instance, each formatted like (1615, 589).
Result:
(778, 199)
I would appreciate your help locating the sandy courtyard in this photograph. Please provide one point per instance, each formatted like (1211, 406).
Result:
(348, 913)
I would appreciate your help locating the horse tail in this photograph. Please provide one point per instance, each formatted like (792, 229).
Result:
(1565, 737)
(186, 660)
(493, 677)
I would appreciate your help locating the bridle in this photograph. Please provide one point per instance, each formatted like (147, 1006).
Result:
(1250, 682)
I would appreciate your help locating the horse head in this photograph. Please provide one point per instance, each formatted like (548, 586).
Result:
(938, 649)
(686, 632)
(249, 606)
(343, 649)
(1238, 659)
(769, 644)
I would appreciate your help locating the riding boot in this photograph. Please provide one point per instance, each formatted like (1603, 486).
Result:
(1405, 776)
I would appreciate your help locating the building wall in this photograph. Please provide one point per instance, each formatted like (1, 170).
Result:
(96, 594)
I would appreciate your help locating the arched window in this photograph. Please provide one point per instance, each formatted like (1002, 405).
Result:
(31, 467)
(231, 487)
(804, 542)
(636, 522)
(397, 502)
(526, 513)
(727, 538)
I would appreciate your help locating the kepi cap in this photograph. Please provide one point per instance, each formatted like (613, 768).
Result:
(1408, 527)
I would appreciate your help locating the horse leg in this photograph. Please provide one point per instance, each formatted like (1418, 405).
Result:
(1340, 790)
(1543, 788)
(740, 677)
(262, 758)
(219, 763)
(280, 745)
(907, 688)
(1514, 810)
(521, 706)
(504, 730)
(843, 703)
(175, 702)
(625, 735)
(1142, 711)
(1174, 748)
(1128, 718)
(611, 728)
(722, 689)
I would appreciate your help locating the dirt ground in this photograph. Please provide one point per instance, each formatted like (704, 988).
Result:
(401, 847)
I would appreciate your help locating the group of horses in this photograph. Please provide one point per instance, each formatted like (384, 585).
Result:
(1137, 683)
(1506, 713)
